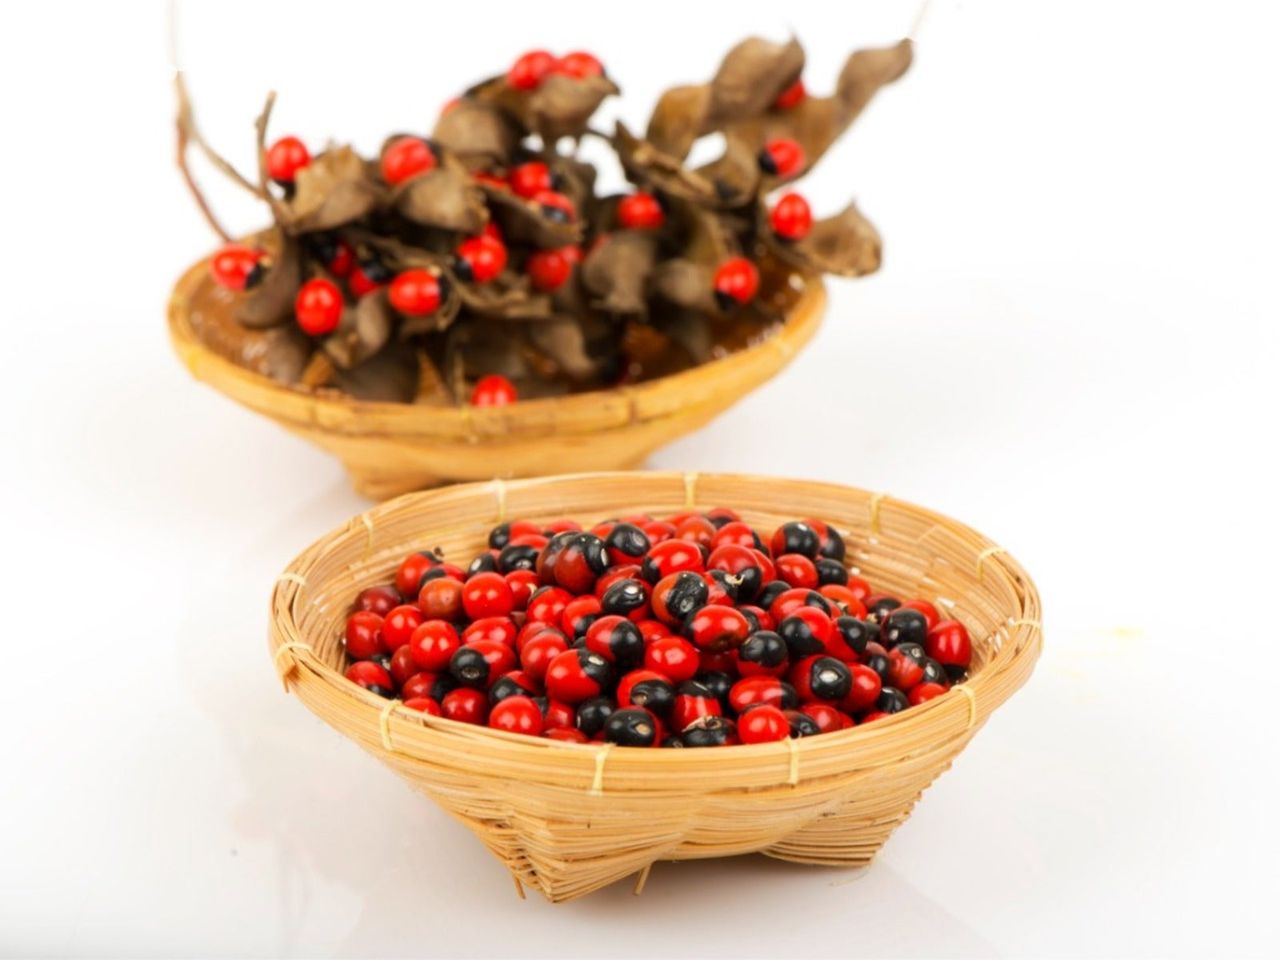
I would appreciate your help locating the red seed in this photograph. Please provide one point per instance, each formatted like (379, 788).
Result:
(318, 307)
(494, 390)
(285, 158)
(406, 157)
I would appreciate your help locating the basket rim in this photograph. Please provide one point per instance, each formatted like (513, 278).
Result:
(594, 410)
(961, 711)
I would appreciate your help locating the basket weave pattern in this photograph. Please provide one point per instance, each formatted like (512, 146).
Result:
(391, 448)
(570, 818)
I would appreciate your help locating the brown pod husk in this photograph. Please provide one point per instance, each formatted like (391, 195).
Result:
(617, 269)
(282, 354)
(577, 181)
(271, 302)
(446, 198)
(749, 79)
(685, 284)
(690, 330)
(735, 177)
(816, 122)
(362, 332)
(506, 298)
(648, 165)
(846, 244)
(561, 339)
(489, 346)
(332, 191)
(440, 319)
(479, 134)
(523, 221)
(389, 376)
(561, 105)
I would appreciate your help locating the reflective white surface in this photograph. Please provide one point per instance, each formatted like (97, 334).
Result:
(1070, 348)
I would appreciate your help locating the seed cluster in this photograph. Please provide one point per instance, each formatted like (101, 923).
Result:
(689, 631)
(483, 247)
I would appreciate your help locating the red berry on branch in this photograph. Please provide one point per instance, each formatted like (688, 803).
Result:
(318, 307)
(285, 158)
(529, 70)
(791, 218)
(640, 211)
(237, 267)
(549, 269)
(783, 157)
(415, 293)
(791, 96)
(530, 179)
(480, 259)
(736, 282)
(494, 390)
(580, 65)
(406, 157)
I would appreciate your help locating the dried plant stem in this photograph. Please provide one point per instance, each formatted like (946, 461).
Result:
(278, 209)
(216, 225)
(187, 124)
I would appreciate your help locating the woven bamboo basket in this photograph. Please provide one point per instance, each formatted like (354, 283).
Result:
(391, 448)
(568, 818)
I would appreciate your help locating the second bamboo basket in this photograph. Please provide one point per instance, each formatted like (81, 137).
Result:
(566, 818)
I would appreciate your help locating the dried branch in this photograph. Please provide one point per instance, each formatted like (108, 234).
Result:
(278, 209)
(183, 141)
(187, 124)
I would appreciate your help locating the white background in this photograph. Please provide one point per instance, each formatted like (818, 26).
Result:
(1071, 347)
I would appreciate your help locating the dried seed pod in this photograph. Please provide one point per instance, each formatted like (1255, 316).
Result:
(440, 318)
(271, 302)
(525, 221)
(445, 198)
(389, 376)
(560, 106)
(690, 330)
(846, 244)
(281, 354)
(562, 340)
(507, 298)
(685, 284)
(333, 190)
(817, 122)
(479, 134)
(363, 330)
(749, 79)
(616, 271)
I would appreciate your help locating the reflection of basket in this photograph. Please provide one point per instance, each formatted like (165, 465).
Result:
(390, 448)
(569, 818)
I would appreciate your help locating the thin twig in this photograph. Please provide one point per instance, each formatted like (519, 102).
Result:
(278, 209)
(182, 143)
(186, 120)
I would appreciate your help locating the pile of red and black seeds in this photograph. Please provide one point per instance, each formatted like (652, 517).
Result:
(693, 631)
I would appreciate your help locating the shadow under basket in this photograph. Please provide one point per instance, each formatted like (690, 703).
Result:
(392, 448)
(569, 818)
